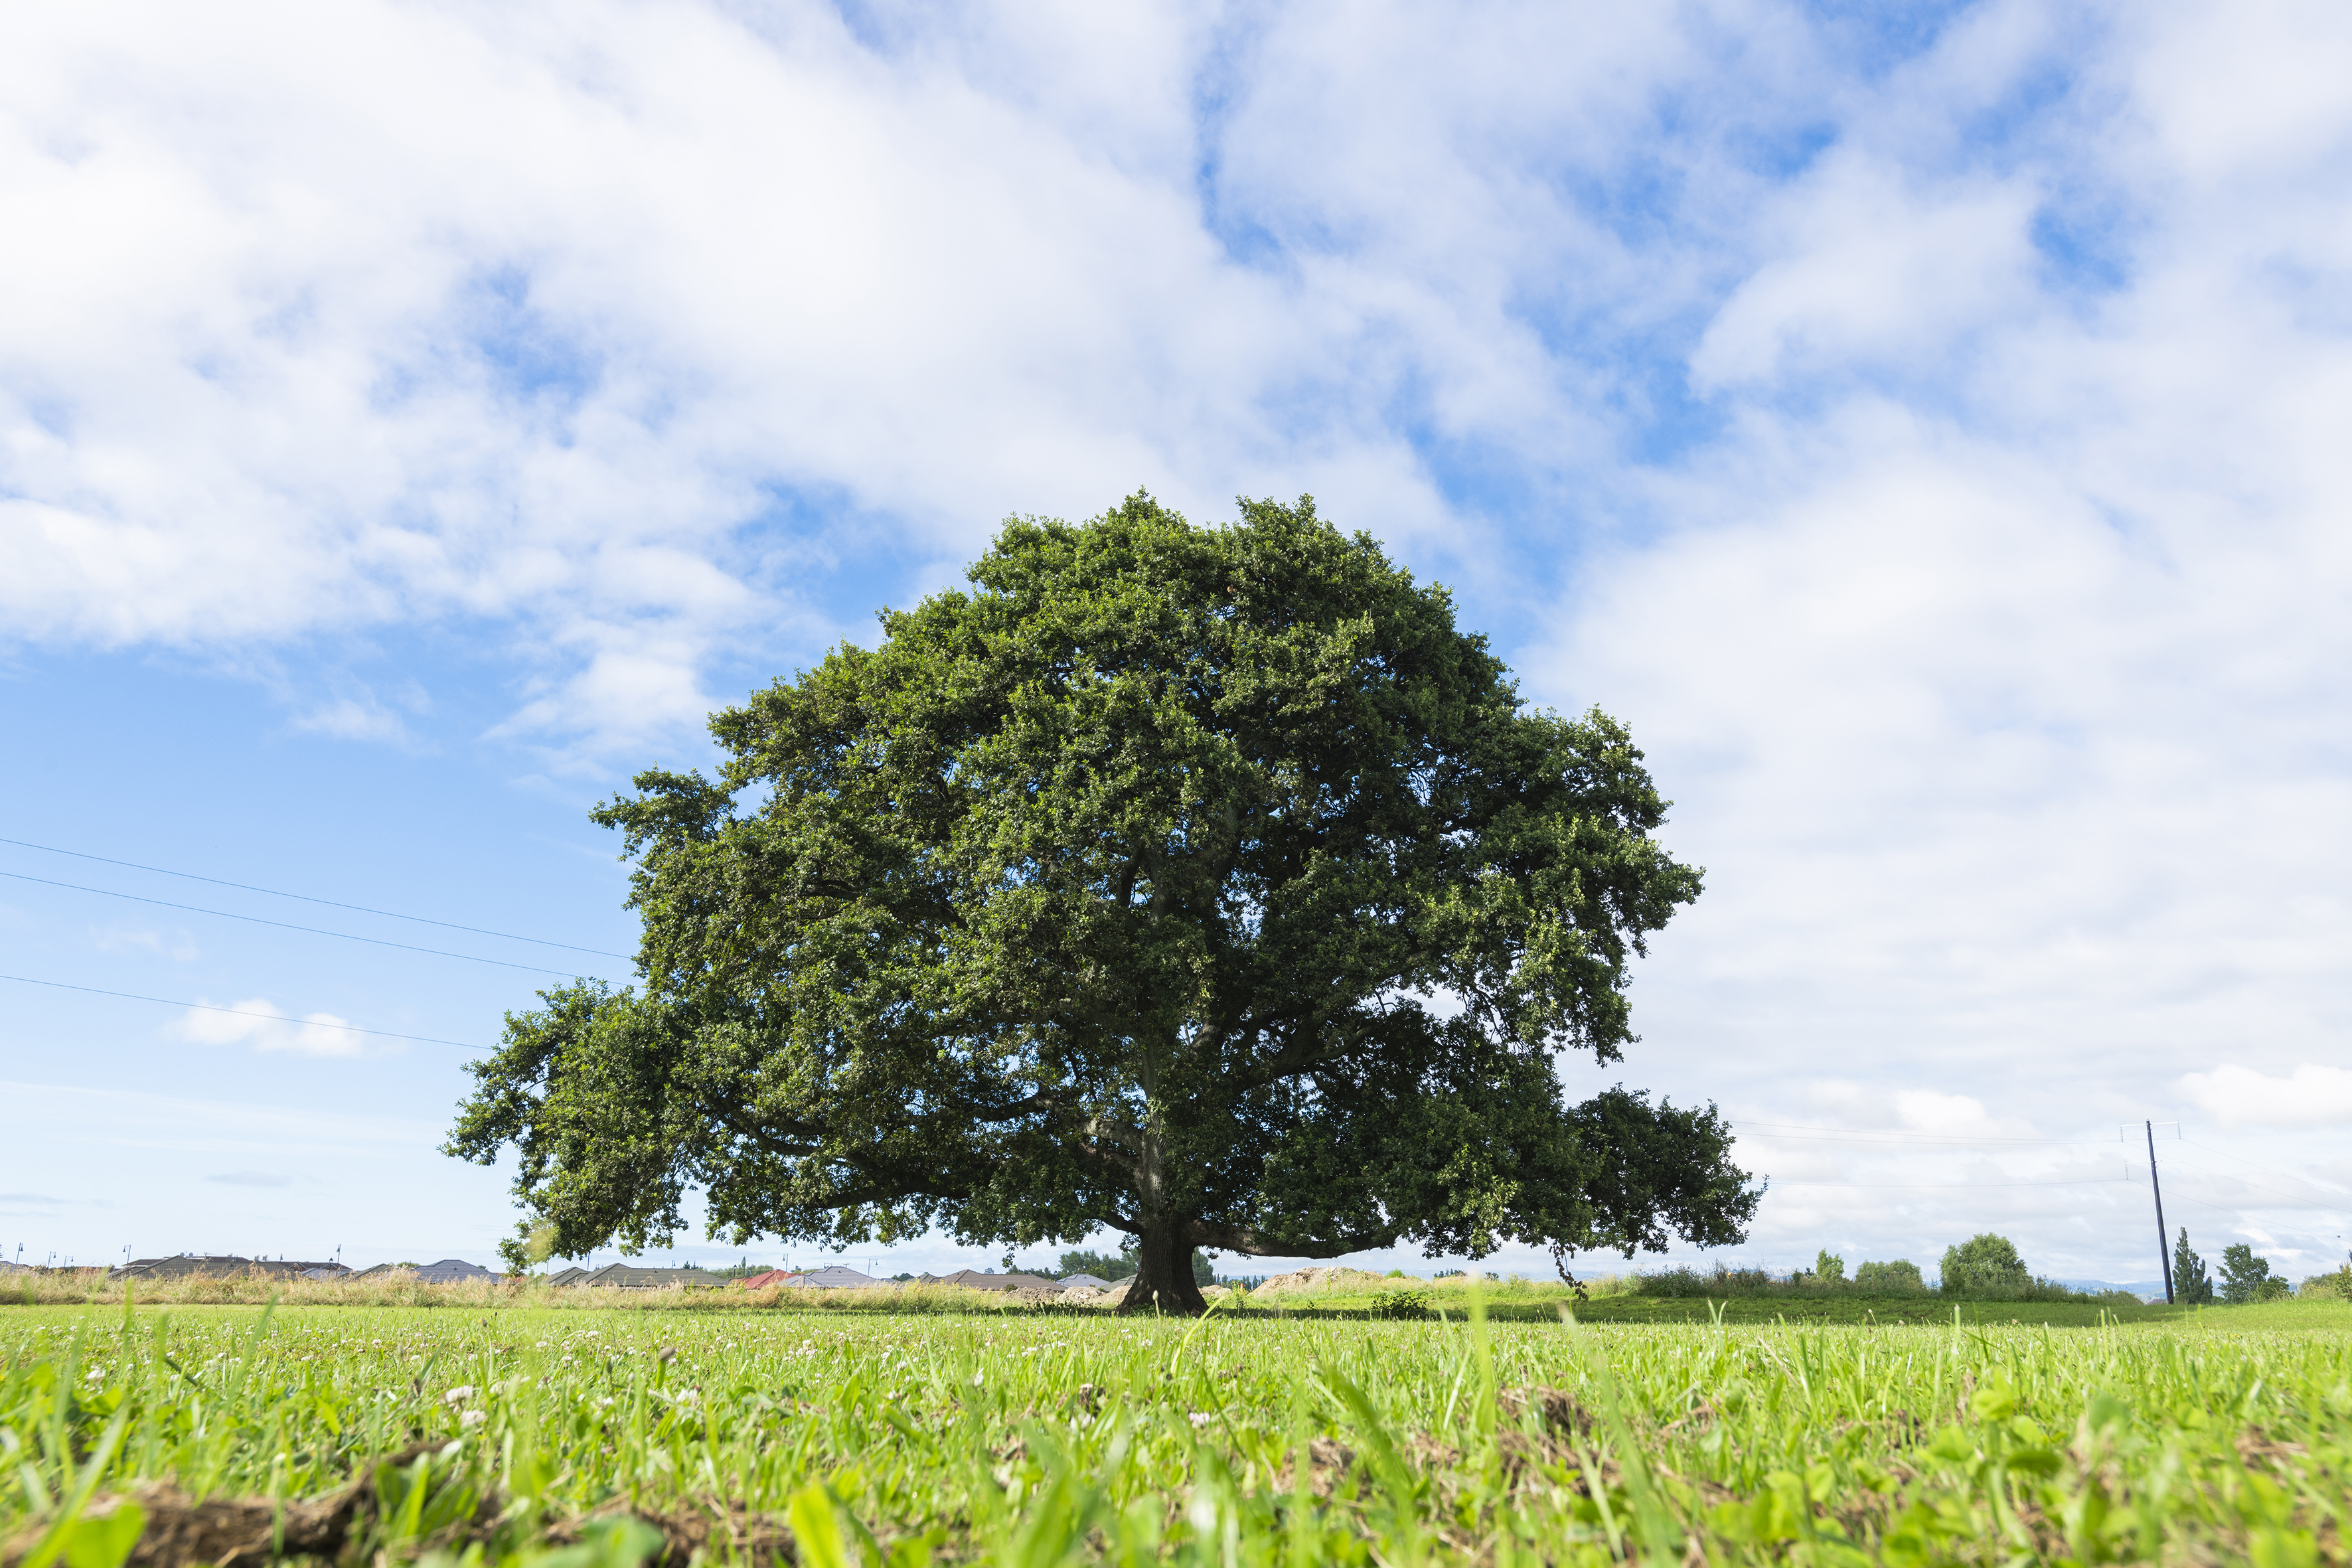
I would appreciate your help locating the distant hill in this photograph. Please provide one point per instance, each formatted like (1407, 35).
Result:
(2136, 1286)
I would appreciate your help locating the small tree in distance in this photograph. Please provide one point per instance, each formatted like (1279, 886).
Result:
(1829, 1268)
(2190, 1284)
(1899, 1277)
(1121, 892)
(1985, 1265)
(1101, 1265)
(2242, 1274)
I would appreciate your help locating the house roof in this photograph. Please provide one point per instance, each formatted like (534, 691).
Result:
(1090, 1281)
(836, 1277)
(622, 1277)
(222, 1267)
(973, 1279)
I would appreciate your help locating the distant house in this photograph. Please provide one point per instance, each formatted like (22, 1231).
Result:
(190, 1265)
(836, 1278)
(1074, 1280)
(621, 1277)
(448, 1271)
(973, 1279)
(811, 1280)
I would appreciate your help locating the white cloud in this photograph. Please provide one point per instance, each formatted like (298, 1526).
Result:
(1879, 272)
(263, 1024)
(371, 313)
(2311, 1096)
(356, 710)
(1983, 659)
(600, 324)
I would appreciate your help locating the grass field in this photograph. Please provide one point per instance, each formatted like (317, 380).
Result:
(499, 1433)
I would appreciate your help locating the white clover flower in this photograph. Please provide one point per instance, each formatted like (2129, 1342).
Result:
(459, 1394)
(473, 1417)
(1201, 1418)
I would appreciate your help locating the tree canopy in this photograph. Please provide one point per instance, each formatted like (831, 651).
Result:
(2243, 1274)
(1205, 884)
(2190, 1283)
(1985, 1263)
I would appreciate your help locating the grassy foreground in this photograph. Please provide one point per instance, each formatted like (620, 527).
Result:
(1033, 1439)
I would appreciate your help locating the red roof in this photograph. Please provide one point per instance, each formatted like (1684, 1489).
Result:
(772, 1276)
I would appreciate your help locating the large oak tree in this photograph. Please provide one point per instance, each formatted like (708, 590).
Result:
(1207, 884)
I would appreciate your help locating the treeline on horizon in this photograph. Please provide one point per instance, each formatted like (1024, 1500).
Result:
(1988, 1267)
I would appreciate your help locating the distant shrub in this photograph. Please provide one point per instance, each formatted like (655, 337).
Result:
(2337, 1286)
(1829, 1268)
(2011, 1289)
(1899, 1277)
(1722, 1280)
(1402, 1304)
(1987, 1266)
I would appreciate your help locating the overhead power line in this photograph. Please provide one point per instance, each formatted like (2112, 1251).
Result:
(305, 898)
(2267, 1170)
(1892, 1143)
(2075, 1181)
(239, 1012)
(1845, 1135)
(288, 925)
(2208, 1171)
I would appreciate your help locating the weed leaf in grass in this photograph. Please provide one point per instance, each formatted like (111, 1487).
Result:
(106, 1542)
(816, 1534)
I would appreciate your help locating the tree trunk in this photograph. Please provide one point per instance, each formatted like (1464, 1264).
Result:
(1163, 1277)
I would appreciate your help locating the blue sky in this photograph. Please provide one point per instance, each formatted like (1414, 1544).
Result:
(1923, 425)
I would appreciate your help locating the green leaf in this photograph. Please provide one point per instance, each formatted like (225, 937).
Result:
(816, 1531)
(105, 1541)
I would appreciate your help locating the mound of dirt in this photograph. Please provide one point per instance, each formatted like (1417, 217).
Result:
(183, 1532)
(238, 1532)
(1304, 1281)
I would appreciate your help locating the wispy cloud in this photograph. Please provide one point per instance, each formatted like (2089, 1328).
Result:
(177, 944)
(260, 1023)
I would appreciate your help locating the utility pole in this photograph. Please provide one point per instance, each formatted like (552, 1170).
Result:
(2163, 1247)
